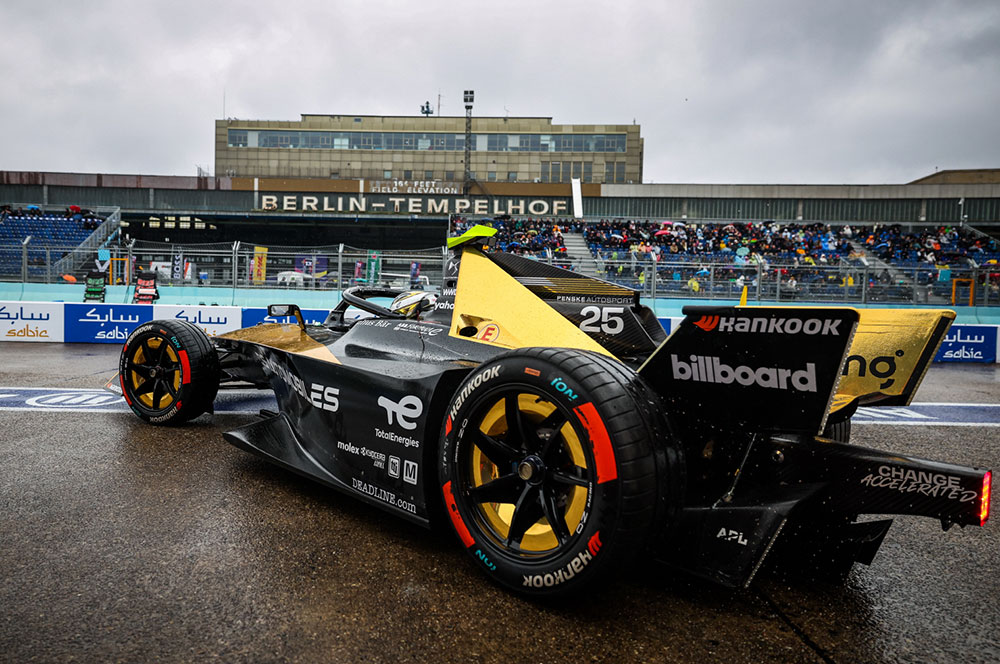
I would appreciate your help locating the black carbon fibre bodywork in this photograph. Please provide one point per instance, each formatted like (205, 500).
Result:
(362, 407)
(362, 424)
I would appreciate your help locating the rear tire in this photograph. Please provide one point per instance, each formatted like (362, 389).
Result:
(575, 487)
(839, 431)
(169, 372)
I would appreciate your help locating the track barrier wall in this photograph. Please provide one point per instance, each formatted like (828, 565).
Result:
(71, 322)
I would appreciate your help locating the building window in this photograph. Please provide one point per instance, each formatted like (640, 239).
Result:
(511, 176)
(491, 176)
(396, 140)
(545, 171)
(449, 176)
(620, 171)
(386, 175)
(555, 171)
(588, 171)
(407, 175)
(428, 175)
(609, 171)
(577, 169)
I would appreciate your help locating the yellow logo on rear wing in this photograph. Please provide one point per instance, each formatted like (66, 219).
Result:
(890, 353)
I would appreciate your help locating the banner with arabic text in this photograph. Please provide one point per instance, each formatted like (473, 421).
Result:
(104, 323)
(969, 343)
(212, 319)
(31, 321)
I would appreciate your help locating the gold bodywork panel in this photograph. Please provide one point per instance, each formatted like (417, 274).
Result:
(507, 314)
(289, 338)
(890, 353)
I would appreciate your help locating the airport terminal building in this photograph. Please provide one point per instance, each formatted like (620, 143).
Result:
(502, 149)
(395, 181)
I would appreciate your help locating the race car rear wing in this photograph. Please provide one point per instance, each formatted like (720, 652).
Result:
(754, 369)
(889, 356)
(736, 358)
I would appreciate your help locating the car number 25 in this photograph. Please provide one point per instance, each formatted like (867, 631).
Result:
(608, 320)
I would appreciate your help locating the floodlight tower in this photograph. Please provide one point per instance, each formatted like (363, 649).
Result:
(467, 184)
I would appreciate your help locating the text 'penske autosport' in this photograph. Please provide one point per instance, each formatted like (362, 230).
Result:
(547, 417)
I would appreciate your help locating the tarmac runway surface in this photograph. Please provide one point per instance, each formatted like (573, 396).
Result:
(120, 541)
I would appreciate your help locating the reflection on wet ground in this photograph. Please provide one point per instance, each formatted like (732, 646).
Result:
(121, 541)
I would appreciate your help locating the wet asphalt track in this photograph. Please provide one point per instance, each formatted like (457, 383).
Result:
(123, 542)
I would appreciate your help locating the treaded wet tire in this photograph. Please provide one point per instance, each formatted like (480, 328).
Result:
(576, 487)
(169, 372)
(839, 431)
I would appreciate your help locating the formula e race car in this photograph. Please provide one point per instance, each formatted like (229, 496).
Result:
(549, 419)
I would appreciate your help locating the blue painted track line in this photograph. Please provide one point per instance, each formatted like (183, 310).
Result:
(99, 400)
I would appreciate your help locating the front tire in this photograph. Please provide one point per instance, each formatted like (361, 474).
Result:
(169, 372)
(550, 470)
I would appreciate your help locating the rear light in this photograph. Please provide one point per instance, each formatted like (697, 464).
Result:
(984, 501)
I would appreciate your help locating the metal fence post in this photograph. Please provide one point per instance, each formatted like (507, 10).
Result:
(129, 265)
(760, 279)
(340, 267)
(236, 264)
(24, 259)
(444, 266)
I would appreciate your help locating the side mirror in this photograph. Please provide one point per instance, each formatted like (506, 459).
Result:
(285, 310)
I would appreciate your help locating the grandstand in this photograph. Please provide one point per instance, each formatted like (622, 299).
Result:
(34, 240)
(776, 260)
(896, 243)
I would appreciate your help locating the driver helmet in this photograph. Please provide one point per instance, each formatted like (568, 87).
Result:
(412, 303)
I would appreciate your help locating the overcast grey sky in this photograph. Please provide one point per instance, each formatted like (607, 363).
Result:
(765, 91)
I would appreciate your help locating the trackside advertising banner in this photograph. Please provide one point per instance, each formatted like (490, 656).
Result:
(969, 343)
(31, 321)
(213, 320)
(670, 324)
(259, 315)
(104, 323)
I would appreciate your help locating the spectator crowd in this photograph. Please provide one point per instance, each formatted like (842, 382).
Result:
(941, 244)
(739, 242)
(527, 237)
(735, 242)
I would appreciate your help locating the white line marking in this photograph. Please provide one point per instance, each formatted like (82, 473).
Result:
(928, 424)
(102, 389)
(123, 411)
(948, 403)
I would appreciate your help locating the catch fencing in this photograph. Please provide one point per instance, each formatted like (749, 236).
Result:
(242, 265)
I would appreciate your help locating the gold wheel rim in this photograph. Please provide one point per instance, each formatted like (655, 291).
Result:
(151, 353)
(540, 537)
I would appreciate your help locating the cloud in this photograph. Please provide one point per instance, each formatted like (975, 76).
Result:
(728, 92)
